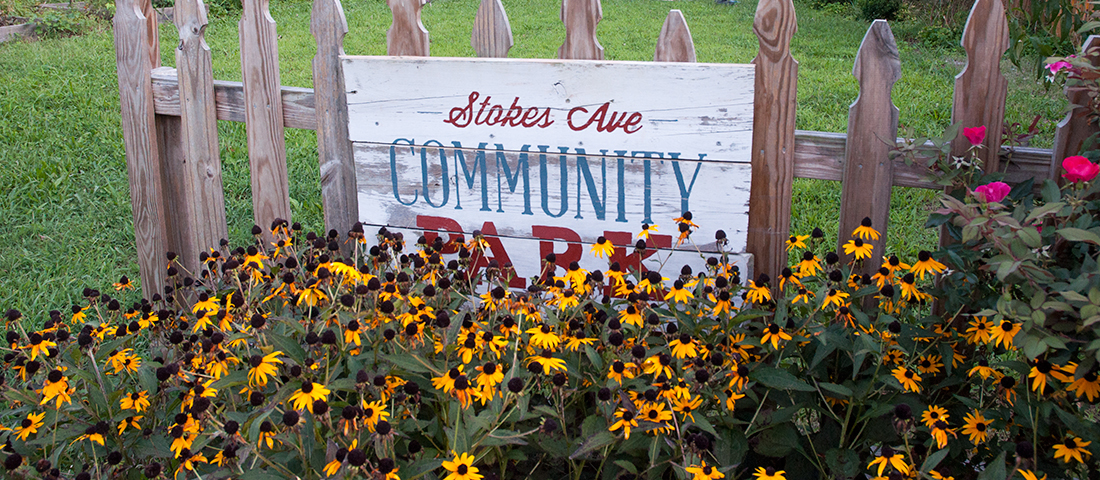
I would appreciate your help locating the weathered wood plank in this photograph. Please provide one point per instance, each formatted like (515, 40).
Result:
(132, 55)
(407, 35)
(872, 118)
(152, 33)
(492, 33)
(580, 18)
(298, 103)
(981, 89)
(674, 44)
(557, 104)
(196, 177)
(1076, 127)
(264, 115)
(338, 190)
(773, 135)
(819, 156)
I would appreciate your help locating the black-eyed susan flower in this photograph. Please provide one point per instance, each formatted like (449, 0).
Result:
(188, 460)
(908, 379)
(983, 370)
(769, 473)
(933, 414)
(926, 264)
(940, 431)
(130, 422)
(683, 347)
(309, 392)
(1072, 448)
(138, 401)
(446, 382)
(461, 467)
(654, 412)
(1040, 372)
(704, 472)
(865, 231)
(834, 297)
(758, 291)
(804, 296)
(542, 336)
(372, 413)
(625, 421)
(732, 398)
(979, 330)
(891, 457)
(546, 363)
(267, 435)
(686, 406)
(797, 241)
(809, 265)
(631, 316)
(647, 230)
(602, 248)
(1003, 333)
(976, 427)
(859, 248)
(773, 333)
(678, 293)
(29, 425)
(1029, 475)
(929, 364)
(37, 343)
(619, 369)
(1086, 386)
(56, 387)
(909, 290)
(262, 367)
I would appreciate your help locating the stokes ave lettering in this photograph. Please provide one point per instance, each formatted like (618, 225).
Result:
(489, 114)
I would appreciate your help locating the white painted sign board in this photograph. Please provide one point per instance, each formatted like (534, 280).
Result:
(548, 155)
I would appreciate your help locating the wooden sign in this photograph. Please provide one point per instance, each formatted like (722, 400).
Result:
(546, 156)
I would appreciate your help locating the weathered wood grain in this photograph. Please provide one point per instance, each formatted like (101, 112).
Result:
(492, 33)
(152, 33)
(674, 44)
(133, 54)
(298, 103)
(402, 98)
(580, 18)
(196, 177)
(407, 35)
(338, 190)
(819, 156)
(773, 135)
(872, 128)
(981, 89)
(264, 115)
(1076, 127)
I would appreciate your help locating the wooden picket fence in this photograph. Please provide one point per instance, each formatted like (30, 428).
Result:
(169, 118)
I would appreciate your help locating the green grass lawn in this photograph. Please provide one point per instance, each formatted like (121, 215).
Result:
(64, 197)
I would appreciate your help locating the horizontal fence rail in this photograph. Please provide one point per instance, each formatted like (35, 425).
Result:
(165, 111)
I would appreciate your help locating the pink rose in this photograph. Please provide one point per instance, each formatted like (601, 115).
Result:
(1059, 66)
(1079, 169)
(992, 192)
(976, 135)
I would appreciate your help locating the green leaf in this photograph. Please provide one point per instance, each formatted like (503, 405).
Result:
(704, 424)
(933, 460)
(288, 346)
(777, 441)
(408, 363)
(419, 468)
(597, 441)
(837, 389)
(1079, 235)
(1043, 211)
(781, 379)
(627, 465)
(994, 470)
(843, 462)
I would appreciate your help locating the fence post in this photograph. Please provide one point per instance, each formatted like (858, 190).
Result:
(135, 55)
(338, 188)
(492, 33)
(674, 44)
(1075, 128)
(580, 18)
(872, 130)
(981, 89)
(263, 111)
(407, 35)
(775, 92)
(195, 200)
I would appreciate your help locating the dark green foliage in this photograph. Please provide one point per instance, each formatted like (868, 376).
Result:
(871, 10)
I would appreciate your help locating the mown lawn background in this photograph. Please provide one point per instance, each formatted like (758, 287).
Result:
(65, 218)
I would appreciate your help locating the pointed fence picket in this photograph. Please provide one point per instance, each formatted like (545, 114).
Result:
(168, 118)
